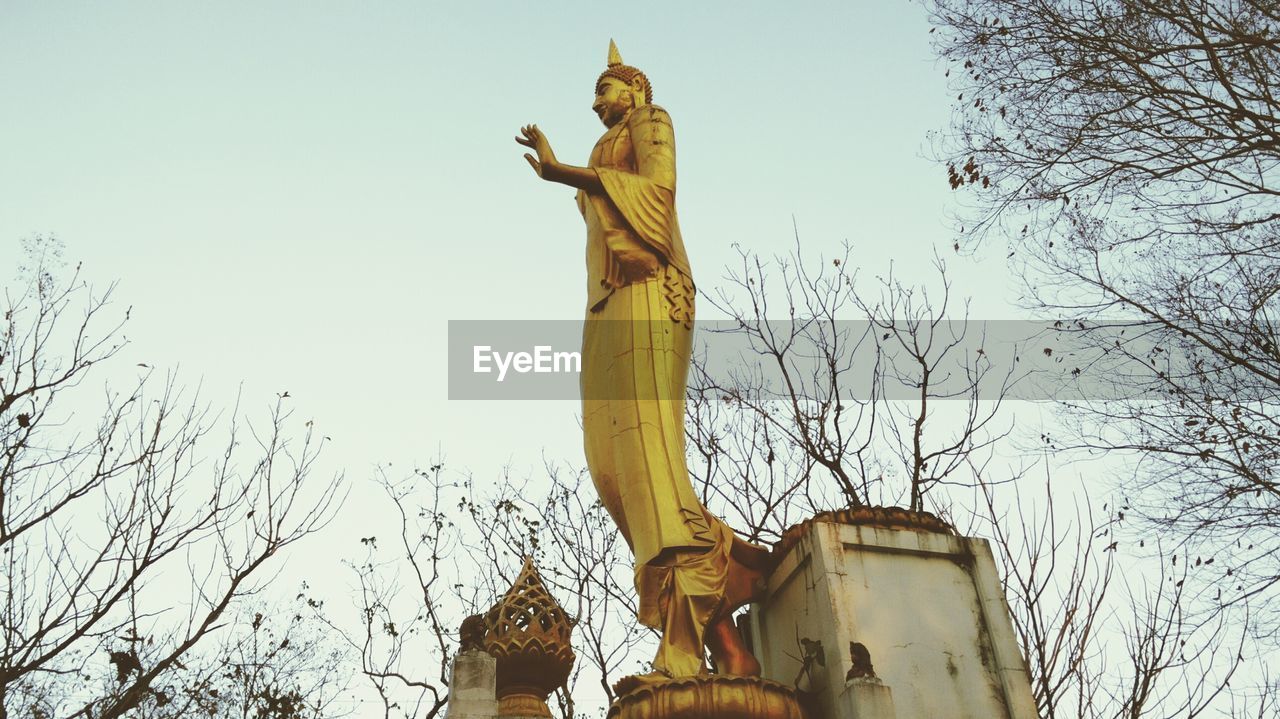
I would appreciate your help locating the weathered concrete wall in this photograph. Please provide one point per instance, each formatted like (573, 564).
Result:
(928, 607)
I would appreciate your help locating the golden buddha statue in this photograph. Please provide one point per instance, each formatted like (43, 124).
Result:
(691, 570)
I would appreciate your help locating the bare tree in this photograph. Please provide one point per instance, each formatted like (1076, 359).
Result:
(843, 397)
(406, 637)
(1104, 636)
(103, 526)
(1127, 151)
(276, 663)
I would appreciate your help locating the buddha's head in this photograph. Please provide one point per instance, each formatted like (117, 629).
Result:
(620, 89)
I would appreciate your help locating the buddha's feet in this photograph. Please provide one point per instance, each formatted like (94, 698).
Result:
(628, 684)
(717, 695)
(729, 651)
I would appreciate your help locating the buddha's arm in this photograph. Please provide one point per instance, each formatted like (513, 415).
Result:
(583, 178)
(549, 168)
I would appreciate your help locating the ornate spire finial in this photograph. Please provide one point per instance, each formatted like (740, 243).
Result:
(528, 632)
(615, 57)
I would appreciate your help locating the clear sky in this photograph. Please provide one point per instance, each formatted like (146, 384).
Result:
(299, 195)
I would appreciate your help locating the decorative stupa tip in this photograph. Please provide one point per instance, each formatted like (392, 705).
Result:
(528, 632)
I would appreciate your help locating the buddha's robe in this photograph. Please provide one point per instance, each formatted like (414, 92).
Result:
(635, 360)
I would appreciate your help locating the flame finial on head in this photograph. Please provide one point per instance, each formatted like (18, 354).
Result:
(626, 73)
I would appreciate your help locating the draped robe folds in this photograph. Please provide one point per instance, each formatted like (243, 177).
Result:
(635, 360)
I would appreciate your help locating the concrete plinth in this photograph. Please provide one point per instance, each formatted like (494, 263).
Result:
(472, 682)
(866, 698)
(927, 606)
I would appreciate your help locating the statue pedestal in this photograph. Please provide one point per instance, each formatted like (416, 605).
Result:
(926, 604)
(865, 698)
(717, 696)
(472, 682)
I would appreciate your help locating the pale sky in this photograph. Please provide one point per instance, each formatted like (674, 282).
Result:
(299, 195)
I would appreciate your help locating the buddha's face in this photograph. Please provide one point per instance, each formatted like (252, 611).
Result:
(614, 98)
